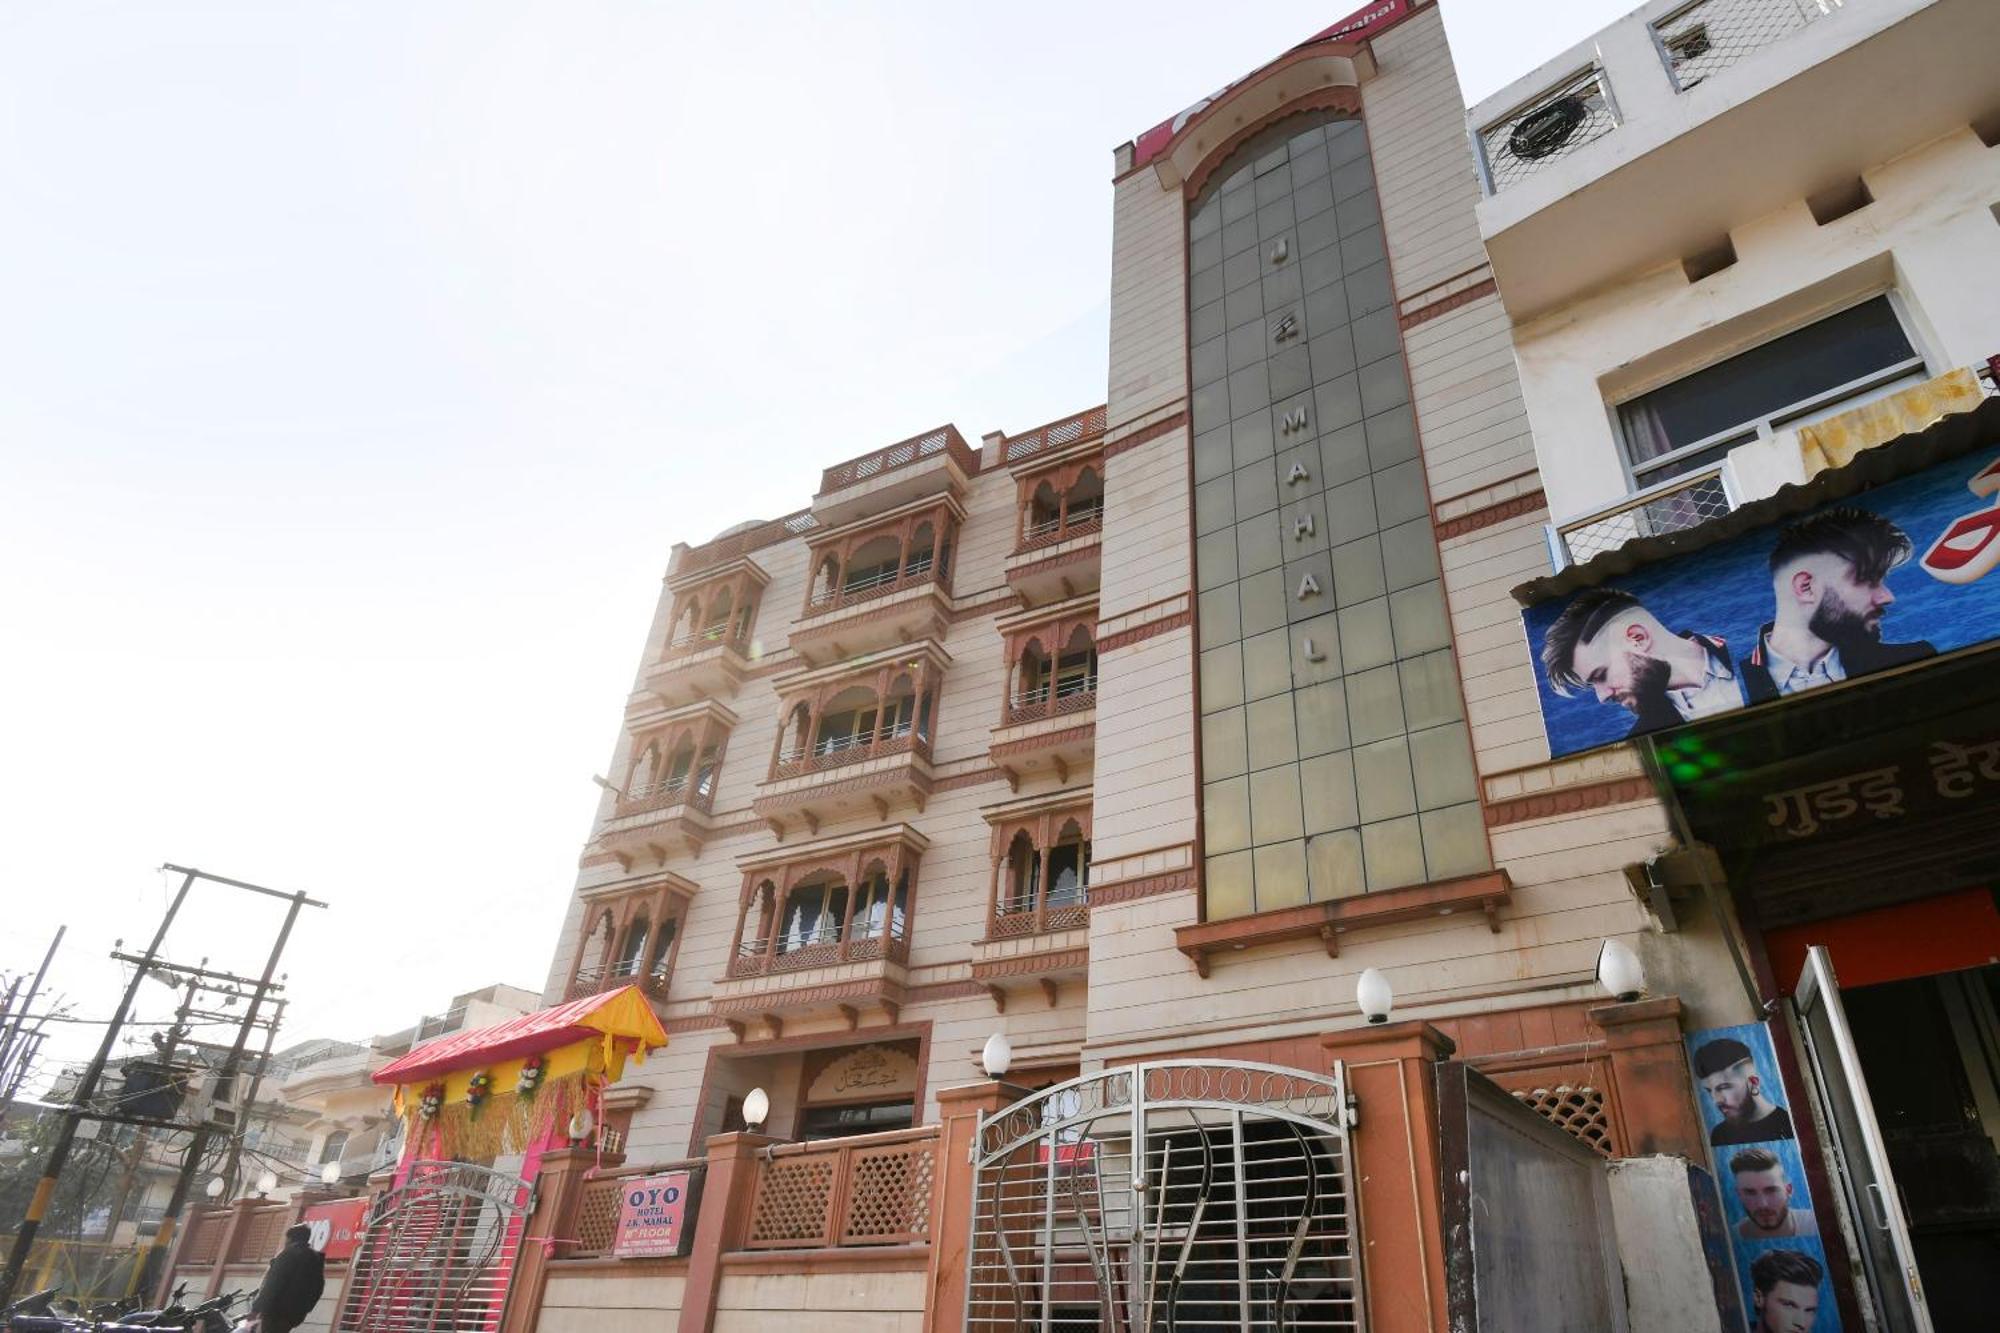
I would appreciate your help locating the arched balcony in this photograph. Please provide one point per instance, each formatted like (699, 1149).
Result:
(1048, 715)
(1055, 679)
(882, 582)
(824, 927)
(710, 638)
(1059, 480)
(866, 725)
(1041, 875)
(630, 938)
(664, 798)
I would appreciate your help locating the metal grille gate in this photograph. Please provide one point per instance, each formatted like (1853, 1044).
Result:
(1173, 1195)
(437, 1252)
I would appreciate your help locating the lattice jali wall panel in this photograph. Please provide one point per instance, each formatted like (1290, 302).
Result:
(794, 1197)
(597, 1217)
(888, 1197)
(1579, 1111)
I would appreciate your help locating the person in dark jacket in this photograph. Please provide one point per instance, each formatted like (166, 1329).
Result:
(1829, 580)
(292, 1284)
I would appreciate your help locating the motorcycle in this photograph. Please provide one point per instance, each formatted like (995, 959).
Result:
(212, 1316)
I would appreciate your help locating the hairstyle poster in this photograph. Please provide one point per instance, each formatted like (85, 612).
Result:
(1774, 1228)
(1889, 577)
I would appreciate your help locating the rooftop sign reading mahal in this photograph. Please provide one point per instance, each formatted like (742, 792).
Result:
(1890, 577)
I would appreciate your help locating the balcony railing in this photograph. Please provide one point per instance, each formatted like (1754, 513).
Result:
(646, 797)
(1545, 129)
(839, 751)
(871, 1189)
(1055, 435)
(724, 549)
(1700, 40)
(1681, 502)
(1016, 919)
(699, 640)
(1078, 695)
(902, 455)
(823, 946)
(1081, 521)
(868, 587)
(436, 1025)
(597, 1209)
(610, 976)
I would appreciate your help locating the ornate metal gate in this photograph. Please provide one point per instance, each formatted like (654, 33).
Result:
(437, 1252)
(1180, 1194)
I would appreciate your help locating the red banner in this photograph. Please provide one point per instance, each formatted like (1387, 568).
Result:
(336, 1227)
(1359, 26)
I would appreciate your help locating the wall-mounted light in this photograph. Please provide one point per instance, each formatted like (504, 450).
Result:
(1620, 971)
(330, 1173)
(998, 1055)
(581, 1123)
(267, 1182)
(213, 1189)
(756, 1108)
(1372, 993)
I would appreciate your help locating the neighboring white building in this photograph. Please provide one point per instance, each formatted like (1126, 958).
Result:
(1767, 212)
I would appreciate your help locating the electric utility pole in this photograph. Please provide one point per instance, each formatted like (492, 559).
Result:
(16, 1044)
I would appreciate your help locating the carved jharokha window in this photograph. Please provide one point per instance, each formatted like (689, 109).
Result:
(720, 611)
(674, 765)
(1041, 873)
(875, 561)
(891, 710)
(629, 940)
(1052, 669)
(818, 915)
(1060, 503)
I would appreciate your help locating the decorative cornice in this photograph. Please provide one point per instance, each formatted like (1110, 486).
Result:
(1140, 633)
(1146, 886)
(1444, 305)
(934, 601)
(1080, 555)
(806, 997)
(1146, 435)
(1519, 506)
(696, 1023)
(977, 777)
(1566, 801)
(1043, 740)
(1339, 97)
(944, 990)
(1008, 601)
(1029, 964)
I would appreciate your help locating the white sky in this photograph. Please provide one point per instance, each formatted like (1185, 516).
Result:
(359, 362)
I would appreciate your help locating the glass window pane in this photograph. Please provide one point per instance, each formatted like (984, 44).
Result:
(1239, 235)
(1382, 779)
(1240, 270)
(1223, 753)
(1333, 353)
(1326, 308)
(1364, 635)
(1205, 251)
(1215, 559)
(1225, 814)
(1419, 617)
(1430, 690)
(1281, 876)
(1245, 343)
(1257, 544)
(1216, 617)
(1273, 220)
(1221, 678)
(1357, 571)
(1367, 289)
(1228, 886)
(1316, 653)
(1343, 455)
(1256, 489)
(1399, 494)
(1209, 361)
(1321, 714)
(1309, 587)
(1442, 758)
(1315, 233)
(1304, 518)
(1251, 439)
(1410, 553)
(1267, 664)
(1350, 510)
(1211, 455)
(1394, 851)
(1360, 246)
(1313, 196)
(1327, 785)
(1273, 737)
(1334, 867)
(1274, 805)
(1214, 505)
(1358, 213)
(1375, 704)
(1206, 322)
(1211, 407)
(1339, 402)
(1291, 371)
(1345, 141)
(1205, 287)
(1263, 598)
(1383, 386)
(1455, 842)
(1376, 337)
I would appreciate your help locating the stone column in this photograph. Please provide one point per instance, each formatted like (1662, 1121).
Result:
(721, 1224)
(959, 1110)
(1395, 1164)
(1655, 1094)
(558, 1193)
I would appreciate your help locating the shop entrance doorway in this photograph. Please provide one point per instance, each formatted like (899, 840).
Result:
(1907, 1075)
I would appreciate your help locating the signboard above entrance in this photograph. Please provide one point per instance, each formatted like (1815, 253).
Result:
(1891, 576)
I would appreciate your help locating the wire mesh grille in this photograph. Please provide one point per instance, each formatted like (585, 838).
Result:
(1701, 498)
(1701, 40)
(1579, 1112)
(437, 1253)
(1182, 1195)
(1554, 125)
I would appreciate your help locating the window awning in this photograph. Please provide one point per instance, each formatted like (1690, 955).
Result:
(623, 1017)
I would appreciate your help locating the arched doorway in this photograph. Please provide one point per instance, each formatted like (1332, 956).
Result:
(1173, 1194)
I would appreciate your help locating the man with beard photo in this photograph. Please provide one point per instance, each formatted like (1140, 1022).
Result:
(1828, 576)
(1607, 642)
(1765, 1192)
(1728, 1073)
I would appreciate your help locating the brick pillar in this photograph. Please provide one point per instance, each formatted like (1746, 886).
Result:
(959, 1110)
(1655, 1095)
(558, 1191)
(232, 1237)
(722, 1223)
(1395, 1147)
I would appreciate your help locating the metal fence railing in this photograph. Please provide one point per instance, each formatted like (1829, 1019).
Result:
(1700, 40)
(1683, 502)
(1546, 129)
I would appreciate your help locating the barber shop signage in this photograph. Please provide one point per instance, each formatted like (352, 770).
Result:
(1890, 577)
(655, 1216)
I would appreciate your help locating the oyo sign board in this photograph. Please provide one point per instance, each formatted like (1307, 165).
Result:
(655, 1216)
(336, 1227)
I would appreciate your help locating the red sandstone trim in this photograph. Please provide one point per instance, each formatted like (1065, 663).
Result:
(943, 990)
(1337, 98)
(1518, 506)
(1147, 435)
(1444, 305)
(1131, 890)
(1044, 739)
(1081, 555)
(1568, 801)
(1031, 963)
(1140, 633)
(978, 777)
